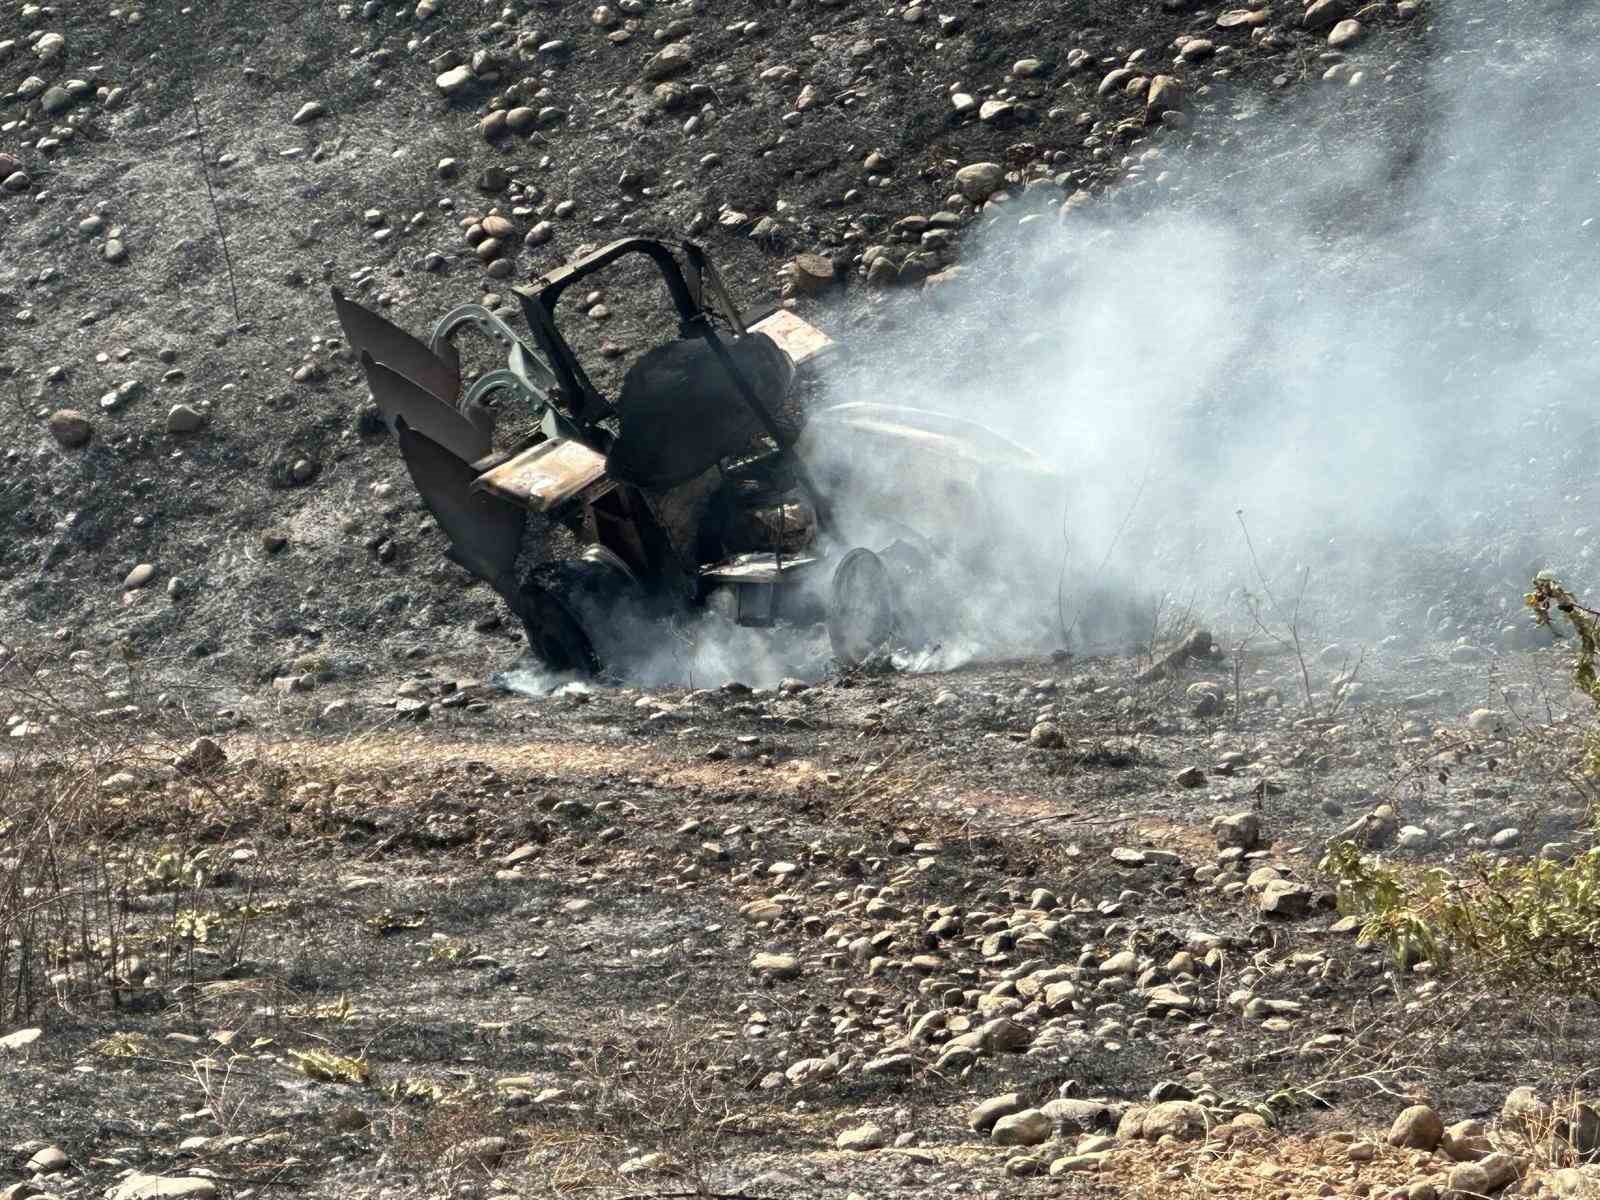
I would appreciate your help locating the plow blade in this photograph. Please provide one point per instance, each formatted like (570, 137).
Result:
(387, 343)
(402, 400)
(485, 531)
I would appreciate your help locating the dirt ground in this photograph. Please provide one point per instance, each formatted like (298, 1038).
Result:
(411, 933)
(543, 920)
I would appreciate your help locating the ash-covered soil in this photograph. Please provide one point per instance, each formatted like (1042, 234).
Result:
(237, 454)
(869, 934)
(810, 941)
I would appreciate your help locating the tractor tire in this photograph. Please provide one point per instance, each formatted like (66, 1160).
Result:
(564, 605)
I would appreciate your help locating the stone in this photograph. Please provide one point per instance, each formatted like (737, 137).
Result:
(672, 60)
(861, 1138)
(114, 251)
(17, 181)
(1190, 777)
(978, 181)
(1467, 1141)
(776, 966)
(1525, 1113)
(1183, 1120)
(1079, 1116)
(891, 1064)
(70, 428)
(1346, 33)
(645, 1163)
(1114, 81)
(1165, 95)
(810, 273)
(20, 1039)
(1491, 1174)
(1413, 837)
(48, 1160)
(1164, 997)
(982, 1118)
(49, 47)
(1375, 830)
(1029, 1127)
(1325, 14)
(1285, 898)
(1417, 1128)
(997, 112)
(307, 113)
(1046, 735)
(1239, 829)
(810, 1070)
(181, 418)
(55, 100)
(163, 1187)
(1072, 1163)
(138, 577)
(1004, 1035)
(452, 81)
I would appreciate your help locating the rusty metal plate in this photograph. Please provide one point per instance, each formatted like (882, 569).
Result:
(800, 339)
(546, 476)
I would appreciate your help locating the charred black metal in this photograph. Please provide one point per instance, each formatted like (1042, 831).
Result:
(621, 511)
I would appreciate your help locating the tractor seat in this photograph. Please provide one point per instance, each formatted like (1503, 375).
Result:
(681, 413)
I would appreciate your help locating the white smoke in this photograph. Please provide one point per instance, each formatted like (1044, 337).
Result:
(1365, 317)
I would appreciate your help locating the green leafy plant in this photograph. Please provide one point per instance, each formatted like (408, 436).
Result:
(1585, 622)
(1533, 927)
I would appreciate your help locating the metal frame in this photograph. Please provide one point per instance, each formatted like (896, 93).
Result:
(586, 403)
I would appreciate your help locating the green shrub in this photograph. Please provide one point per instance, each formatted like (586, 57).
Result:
(1533, 927)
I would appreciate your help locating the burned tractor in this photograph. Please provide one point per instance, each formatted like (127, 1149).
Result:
(692, 489)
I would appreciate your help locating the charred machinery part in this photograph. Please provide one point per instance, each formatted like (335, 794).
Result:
(594, 532)
(485, 530)
(566, 607)
(588, 405)
(864, 610)
(436, 369)
(400, 400)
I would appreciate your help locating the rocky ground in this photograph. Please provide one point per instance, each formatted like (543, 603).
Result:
(1018, 930)
(294, 898)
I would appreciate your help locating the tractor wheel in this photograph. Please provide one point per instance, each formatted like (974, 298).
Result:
(862, 610)
(563, 605)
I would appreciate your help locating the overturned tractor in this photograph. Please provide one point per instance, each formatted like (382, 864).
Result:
(699, 486)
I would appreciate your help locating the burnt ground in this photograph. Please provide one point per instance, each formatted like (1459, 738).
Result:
(295, 200)
(373, 937)
(539, 920)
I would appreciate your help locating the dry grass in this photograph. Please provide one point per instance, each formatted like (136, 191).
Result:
(109, 840)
